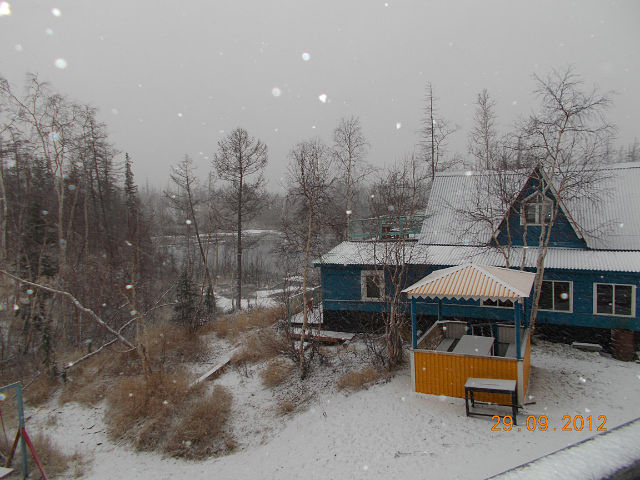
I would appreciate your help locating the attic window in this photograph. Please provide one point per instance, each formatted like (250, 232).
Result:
(536, 210)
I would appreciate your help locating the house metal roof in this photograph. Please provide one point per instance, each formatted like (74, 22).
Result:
(473, 281)
(375, 253)
(611, 223)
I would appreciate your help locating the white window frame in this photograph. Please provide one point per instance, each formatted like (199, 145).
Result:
(554, 302)
(497, 306)
(633, 299)
(539, 202)
(364, 275)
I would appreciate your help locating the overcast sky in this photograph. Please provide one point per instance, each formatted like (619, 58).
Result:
(172, 77)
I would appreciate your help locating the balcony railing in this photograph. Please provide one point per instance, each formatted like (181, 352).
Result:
(386, 227)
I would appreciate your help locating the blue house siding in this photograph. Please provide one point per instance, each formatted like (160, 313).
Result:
(562, 232)
(342, 292)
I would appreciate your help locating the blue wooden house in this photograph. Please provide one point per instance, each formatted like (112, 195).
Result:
(592, 267)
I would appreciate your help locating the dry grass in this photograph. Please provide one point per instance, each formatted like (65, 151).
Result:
(201, 430)
(361, 379)
(276, 372)
(141, 409)
(258, 347)
(232, 325)
(87, 381)
(54, 461)
(286, 406)
(40, 390)
(166, 342)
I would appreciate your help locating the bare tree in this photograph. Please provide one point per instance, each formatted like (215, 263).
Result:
(349, 149)
(483, 136)
(403, 190)
(185, 201)
(568, 138)
(434, 134)
(240, 161)
(310, 178)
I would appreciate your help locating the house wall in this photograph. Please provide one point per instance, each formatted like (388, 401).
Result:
(562, 233)
(342, 292)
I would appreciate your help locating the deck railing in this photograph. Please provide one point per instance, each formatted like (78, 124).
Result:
(385, 227)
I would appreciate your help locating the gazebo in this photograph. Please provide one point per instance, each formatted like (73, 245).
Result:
(448, 354)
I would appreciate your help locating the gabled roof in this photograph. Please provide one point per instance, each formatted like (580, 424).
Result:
(473, 281)
(611, 224)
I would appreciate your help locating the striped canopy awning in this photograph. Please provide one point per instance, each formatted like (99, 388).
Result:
(471, 281)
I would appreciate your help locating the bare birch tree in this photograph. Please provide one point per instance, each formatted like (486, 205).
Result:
(310, 177)
(349, 149)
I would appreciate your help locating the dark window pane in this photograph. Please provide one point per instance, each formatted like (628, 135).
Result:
(489, 303)
(604, 299)
(562, 296)
(623, 299)
(373, 289)
(546, 296)
(530, 210)
(505, 303)
(547, 212)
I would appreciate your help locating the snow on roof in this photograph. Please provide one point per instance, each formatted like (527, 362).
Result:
(613, 223)
(374, 253)
(473, 281)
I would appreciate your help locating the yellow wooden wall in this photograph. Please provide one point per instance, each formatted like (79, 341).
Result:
(440, 373)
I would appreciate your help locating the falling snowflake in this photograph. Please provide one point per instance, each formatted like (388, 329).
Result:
(5, 9)
(129, 287)
(15, 308)
(56, 12)
(398, 125)
(18, 48)
(276, 92)
(60, 63)
(180, 115)
(187, 221)
(306, 57)
(48, 31)
(323, 97)
(29, 292)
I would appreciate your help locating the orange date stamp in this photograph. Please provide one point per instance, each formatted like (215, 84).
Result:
(570, 423)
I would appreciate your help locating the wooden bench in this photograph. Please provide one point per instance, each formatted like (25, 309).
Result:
(445, 345)
(491, 385)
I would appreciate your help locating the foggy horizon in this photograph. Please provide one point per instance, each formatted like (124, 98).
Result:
(171, 79)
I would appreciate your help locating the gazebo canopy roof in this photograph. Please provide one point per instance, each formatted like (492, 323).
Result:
(470, 281)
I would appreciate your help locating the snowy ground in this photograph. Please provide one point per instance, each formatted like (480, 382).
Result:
(384, 432)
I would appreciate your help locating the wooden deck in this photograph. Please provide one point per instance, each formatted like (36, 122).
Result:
(328, 336)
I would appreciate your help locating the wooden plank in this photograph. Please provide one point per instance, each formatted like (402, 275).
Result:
(5, 472)
(323, 335)
(216, 369)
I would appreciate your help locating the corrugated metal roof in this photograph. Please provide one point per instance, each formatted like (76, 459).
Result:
(370, 253)
(611, 223)
(473, 281)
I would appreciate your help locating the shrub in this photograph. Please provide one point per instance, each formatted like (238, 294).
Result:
(141, 408)
(360, 379)
(201, 429)
(275, 373)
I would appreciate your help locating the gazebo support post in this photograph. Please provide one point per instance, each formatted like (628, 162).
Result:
(414, 324)
(516, 315)
(439, 309)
